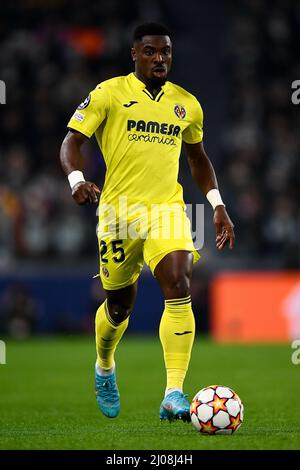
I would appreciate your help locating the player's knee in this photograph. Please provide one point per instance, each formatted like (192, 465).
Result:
(119, 312)
(177, 286)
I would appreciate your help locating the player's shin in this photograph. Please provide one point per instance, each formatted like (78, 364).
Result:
(177, 331)
(108, 335)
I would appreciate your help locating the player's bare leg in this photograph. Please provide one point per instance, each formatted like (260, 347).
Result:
(177, 330)
(111, 322)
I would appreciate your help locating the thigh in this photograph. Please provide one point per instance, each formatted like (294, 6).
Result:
(174, 273)
(169, 231)
(121, 261)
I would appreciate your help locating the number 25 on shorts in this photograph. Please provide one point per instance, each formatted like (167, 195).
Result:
(117, 250)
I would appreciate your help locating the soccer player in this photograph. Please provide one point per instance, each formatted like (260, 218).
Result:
(140, 121)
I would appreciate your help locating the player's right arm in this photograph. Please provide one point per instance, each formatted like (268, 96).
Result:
(82, 125)
(71, 159)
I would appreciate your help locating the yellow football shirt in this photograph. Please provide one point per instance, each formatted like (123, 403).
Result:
(140, 137)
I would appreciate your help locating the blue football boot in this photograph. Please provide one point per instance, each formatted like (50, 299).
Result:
(175, 406)
(107, 394)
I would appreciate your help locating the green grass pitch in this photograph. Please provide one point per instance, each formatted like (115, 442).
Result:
(47, 398)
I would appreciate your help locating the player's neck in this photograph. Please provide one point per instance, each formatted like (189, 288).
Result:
(151, 85)
(154, 91)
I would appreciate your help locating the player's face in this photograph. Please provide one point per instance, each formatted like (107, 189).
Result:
(153, 58)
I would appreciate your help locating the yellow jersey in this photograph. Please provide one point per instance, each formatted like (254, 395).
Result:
(140, 137)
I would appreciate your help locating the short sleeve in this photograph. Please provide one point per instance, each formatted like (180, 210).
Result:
(91, 112)
(194, 132)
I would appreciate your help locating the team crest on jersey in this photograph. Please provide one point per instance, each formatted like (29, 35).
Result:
(105, 272)
(85, 103)
(180, 111)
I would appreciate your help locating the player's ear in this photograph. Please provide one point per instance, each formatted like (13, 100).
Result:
(133, 54)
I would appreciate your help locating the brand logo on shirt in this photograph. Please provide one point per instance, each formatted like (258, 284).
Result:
(85, 103)
(180, 111)
(127, 105)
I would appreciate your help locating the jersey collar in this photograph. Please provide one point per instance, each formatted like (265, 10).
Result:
(141, 85)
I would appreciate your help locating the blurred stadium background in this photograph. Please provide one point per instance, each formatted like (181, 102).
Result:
(239, 58)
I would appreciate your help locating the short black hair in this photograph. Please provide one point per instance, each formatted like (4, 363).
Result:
(150, 29)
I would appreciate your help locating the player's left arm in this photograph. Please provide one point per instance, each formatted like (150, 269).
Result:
(203, 174)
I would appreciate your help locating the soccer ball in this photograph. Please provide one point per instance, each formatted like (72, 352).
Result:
(217, 410)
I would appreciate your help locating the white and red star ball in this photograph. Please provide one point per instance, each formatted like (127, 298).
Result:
(217, 410)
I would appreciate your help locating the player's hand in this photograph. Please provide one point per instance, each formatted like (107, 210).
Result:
(86, 192)
(224, 228)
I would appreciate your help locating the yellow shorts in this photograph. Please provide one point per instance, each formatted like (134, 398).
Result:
(126, 244)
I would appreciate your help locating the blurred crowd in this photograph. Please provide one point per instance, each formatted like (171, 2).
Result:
(261, 151)
(19, 312)
(53, 52)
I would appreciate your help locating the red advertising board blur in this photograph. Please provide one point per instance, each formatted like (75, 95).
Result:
(256, 307)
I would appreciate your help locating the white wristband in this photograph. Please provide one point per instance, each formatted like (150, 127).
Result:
(214, 197)
(75, 177)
